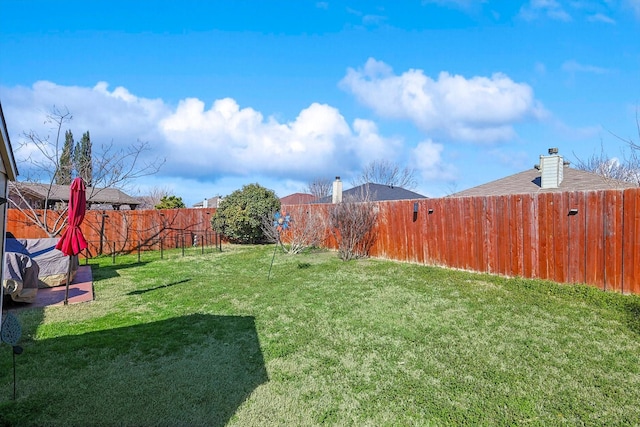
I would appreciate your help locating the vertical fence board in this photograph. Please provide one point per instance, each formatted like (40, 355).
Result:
(467, 241)
(439, 234)
(631, 241)
(576, 242)
(403, 219)
(594, 229)
(492, 235)
(613, 242)
(529, 236)
(429, 236)
(480, 232)
(559, 253)
(504, 244)
(459, 233)
(387, 232)
(545, 234)
(418, 232)
(516, 231)
(447, 234)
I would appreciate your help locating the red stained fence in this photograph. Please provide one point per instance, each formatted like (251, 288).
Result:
(581, 237)
(527, 235)
(127, 230)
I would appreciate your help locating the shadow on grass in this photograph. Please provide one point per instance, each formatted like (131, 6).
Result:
(633, 315)
(192, 370)
(155, 288)
(107, 272)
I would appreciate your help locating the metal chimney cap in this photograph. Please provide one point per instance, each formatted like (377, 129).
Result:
(553, 151)
(337, 178)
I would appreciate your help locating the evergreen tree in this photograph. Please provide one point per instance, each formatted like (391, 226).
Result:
(82, 159)
(65, 167)
(170, 202)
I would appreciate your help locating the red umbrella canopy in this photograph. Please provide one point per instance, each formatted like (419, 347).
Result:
(72, 240)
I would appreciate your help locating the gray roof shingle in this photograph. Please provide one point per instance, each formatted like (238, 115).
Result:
(111, 196)
(529, 182)
(376, 192)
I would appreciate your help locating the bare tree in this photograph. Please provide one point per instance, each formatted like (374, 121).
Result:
(388, 173)
(112, 168)
(307, 228)
(319, 187)
(153, 197)
(625, 169)
(352, 223)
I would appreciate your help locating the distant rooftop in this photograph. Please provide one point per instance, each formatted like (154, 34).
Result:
(530, 181)
(377, 193)
(60, 193)
(211, 202)
(297, 199)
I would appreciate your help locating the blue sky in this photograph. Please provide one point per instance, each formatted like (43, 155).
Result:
(283, 92)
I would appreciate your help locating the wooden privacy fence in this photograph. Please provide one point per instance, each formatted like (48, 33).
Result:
(579, 237)
(128, 230)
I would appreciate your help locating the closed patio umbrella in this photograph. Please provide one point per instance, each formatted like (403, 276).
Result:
(72, 240)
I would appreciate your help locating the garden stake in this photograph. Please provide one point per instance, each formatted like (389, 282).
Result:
(273, 257)
(280, 222)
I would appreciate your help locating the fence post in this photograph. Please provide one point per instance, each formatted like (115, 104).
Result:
(182, 244)
(113, 253)
(161, 249)
(202, 244)
(138, 251)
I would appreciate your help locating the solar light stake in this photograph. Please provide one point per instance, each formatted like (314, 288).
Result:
(16, 350)
(10, 332)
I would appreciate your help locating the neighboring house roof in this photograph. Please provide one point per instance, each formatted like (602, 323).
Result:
(529, 181)
(297, 199)
(376, 193)
(95, 196)
(6, 152)
(211, 203)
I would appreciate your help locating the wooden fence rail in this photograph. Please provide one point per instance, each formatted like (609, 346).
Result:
(579, 237)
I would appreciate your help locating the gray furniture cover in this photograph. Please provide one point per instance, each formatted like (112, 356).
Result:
(20, 275)
(34, 263)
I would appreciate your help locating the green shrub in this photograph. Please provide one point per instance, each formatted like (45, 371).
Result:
(239, 215)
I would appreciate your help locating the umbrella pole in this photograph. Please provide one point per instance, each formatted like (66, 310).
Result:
(66, 290)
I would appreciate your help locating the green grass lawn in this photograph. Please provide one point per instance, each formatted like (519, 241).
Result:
(208, 340)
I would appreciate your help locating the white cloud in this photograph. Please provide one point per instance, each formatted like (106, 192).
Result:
(479, 109)
(203, 144)
(550, 8)
(426, 159)
(227, 139)
(463, 4)
(599, 17)
(575, 67)
(634, 5)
